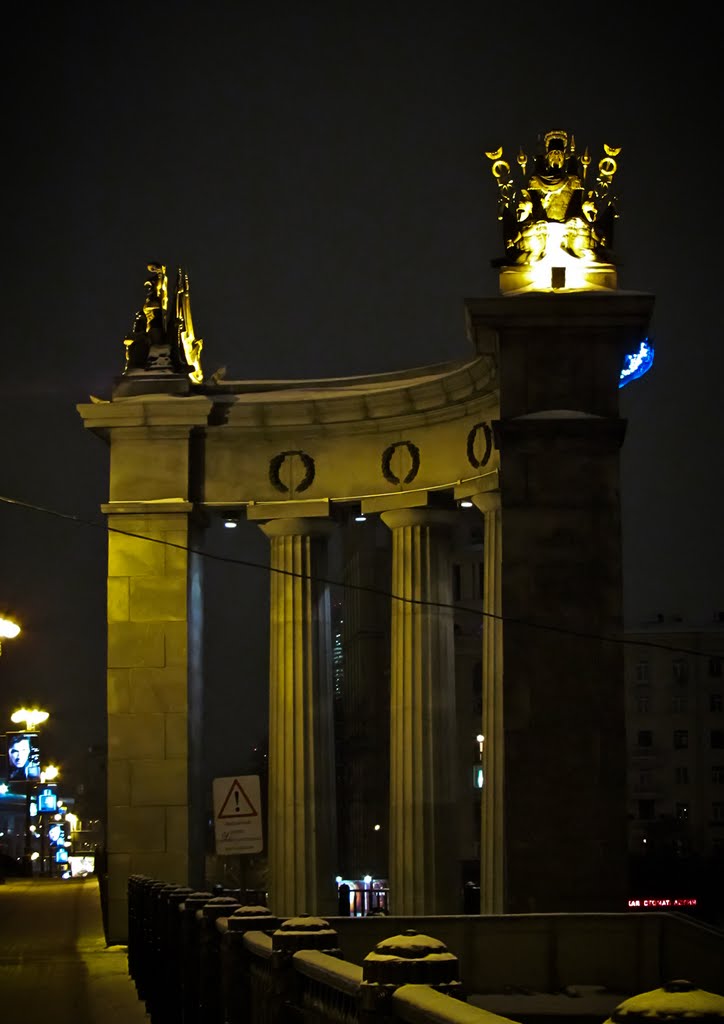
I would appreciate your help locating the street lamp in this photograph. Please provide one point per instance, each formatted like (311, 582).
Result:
(8, 630)
(32, 717)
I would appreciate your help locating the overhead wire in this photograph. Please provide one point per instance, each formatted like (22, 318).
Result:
(456, 607)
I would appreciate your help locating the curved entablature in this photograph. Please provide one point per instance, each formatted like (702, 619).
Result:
(265, 446)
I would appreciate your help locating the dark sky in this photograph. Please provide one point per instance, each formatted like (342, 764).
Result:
(319, 170)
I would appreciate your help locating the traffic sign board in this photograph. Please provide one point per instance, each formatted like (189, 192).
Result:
(237, 814)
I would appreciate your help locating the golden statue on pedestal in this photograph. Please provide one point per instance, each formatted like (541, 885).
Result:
(160, 345)
(558, 231)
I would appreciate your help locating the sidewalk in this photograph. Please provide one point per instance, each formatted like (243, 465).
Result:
(53, 954)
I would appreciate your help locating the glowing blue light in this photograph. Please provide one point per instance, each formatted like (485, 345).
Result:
(637, 364)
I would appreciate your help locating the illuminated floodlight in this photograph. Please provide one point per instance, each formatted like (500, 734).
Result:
(377, 828)
(361, 518)
(8, 629)
(32, 717)
(4, 788)
(466, 503)
(636, 364)
(230, 523)
(367, 879)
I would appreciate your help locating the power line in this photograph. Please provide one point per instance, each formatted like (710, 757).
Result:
(508, 620)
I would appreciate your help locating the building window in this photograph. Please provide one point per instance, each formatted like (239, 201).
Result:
(642, 672)
(715, 702)
(681, 670)
(717, 810)
(646, 810)
(717, 739)
(717, 774)
(682, 775)
(456, 582)
(681, 812)
(645, 738)
(645, 779)
(681, 739)
(643, 704)
(678, 703)
(715, 667)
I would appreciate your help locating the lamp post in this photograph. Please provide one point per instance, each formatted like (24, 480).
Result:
(9, 629)
(32, 718)
(47, 774)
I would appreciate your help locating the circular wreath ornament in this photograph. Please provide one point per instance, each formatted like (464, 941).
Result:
(278, 461)
(414, 453)
(472, 438)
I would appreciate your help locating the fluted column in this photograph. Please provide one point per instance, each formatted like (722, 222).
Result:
(492, 838)
(302, 829)
(424, 851)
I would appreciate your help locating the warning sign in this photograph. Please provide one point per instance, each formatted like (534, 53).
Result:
(237, 814)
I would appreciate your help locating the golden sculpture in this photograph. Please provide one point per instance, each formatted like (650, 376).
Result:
(158, 345)
(558, 231)
(189, 344)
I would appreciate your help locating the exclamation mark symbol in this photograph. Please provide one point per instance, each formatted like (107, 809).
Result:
(236, 801)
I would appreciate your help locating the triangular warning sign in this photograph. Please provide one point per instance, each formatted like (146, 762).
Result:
(237, 804)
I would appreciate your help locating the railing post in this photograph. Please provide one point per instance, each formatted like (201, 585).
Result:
(406, 959)
(296, 933)
(135, 927)
(676, 1000)
(209, 956)
(144, 980)
(156, 950)
(235, 985)
(189, 959)
(168, 1010)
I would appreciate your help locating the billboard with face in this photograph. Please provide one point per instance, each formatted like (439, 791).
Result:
(23, 756)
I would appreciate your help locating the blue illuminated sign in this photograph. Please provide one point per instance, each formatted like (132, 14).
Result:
(637, 363)
(47, 801)
(61, 857)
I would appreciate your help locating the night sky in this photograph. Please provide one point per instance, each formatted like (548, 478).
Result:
(319, 170)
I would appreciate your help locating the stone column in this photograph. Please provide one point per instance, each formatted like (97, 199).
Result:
(302, 828)
(424, 871)
(492, 841)
(152, 630)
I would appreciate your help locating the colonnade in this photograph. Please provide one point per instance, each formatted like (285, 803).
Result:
(423, 851)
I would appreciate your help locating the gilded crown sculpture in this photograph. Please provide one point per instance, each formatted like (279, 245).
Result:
(558, 221)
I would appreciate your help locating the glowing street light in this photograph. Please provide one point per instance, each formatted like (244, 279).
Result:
(49, 773)
(32, 717)
(8, 630)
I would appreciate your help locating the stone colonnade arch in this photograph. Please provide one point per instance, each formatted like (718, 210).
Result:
(528, 428)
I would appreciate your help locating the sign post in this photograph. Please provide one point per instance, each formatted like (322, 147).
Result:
(237, 815)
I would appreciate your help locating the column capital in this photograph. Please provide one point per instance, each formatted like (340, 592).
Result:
(297, 527)
(419, 517)
(486, 501)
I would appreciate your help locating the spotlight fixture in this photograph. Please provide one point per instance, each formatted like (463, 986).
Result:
(231, 522)
(360, 518)
(466, 503)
